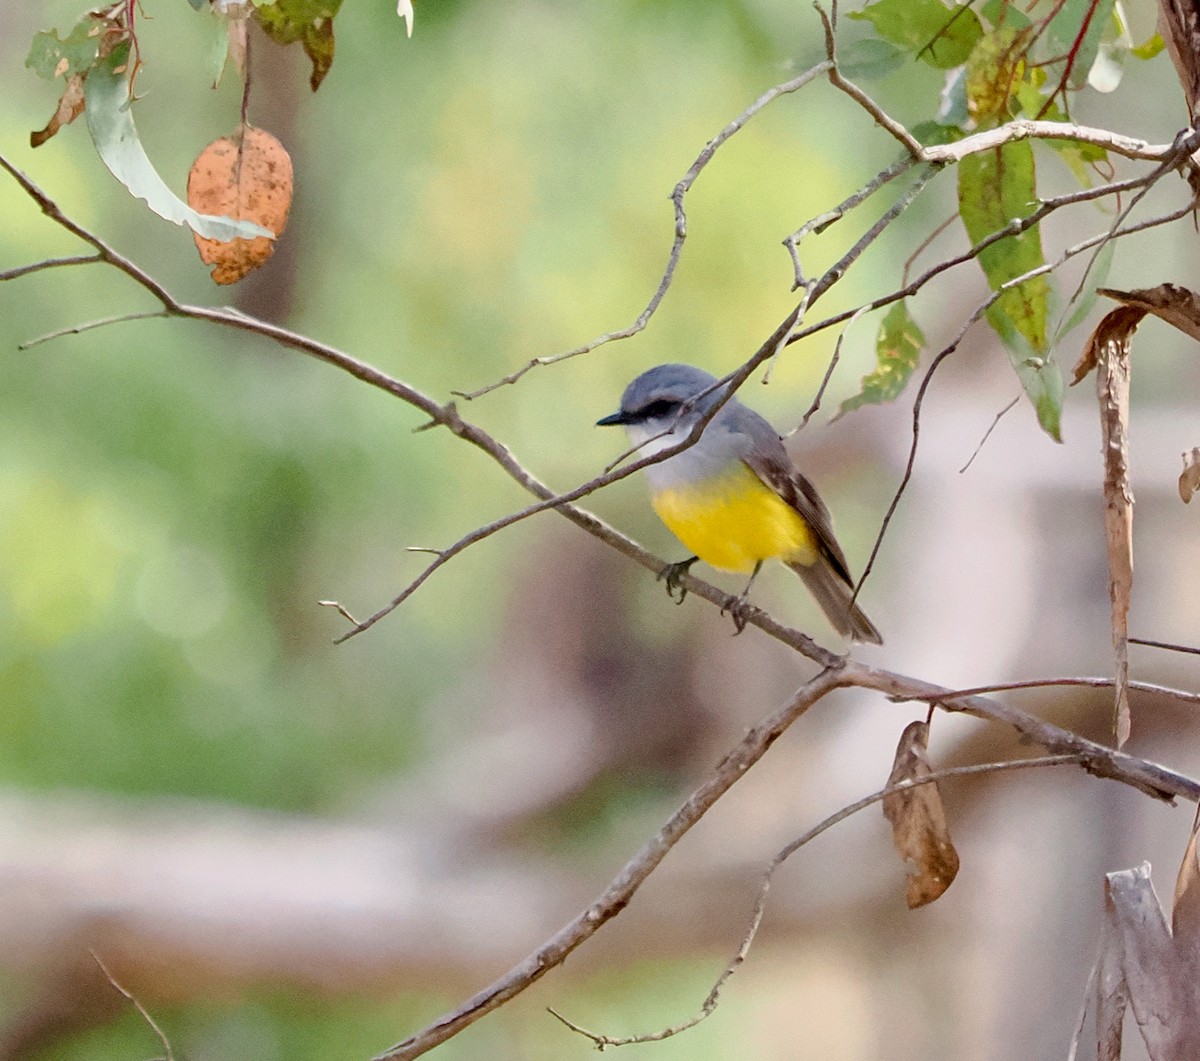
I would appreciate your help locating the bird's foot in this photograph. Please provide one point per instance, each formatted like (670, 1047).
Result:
(672, 573)
(738, 609)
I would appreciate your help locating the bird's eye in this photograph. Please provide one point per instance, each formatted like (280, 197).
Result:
(656, 409)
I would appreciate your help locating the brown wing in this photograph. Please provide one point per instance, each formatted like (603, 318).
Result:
(776, 469)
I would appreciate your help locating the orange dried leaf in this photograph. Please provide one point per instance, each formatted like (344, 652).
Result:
(919, 828)
(248, 177)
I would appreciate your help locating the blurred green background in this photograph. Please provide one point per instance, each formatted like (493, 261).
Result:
(175, 499)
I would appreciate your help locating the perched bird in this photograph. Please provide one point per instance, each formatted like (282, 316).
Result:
(734, 497)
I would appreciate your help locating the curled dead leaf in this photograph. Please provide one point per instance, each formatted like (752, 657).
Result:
(70, 107)
(918, 819)
(1172, 303)
(1189, 478)
(248, 177)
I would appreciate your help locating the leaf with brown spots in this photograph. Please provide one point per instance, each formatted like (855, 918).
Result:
(248, 177)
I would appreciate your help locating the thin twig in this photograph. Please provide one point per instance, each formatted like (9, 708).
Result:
(677, 197)
(1084, 682)
(839, 81)
(953, 345)
(168, 1054)
(87, 326)
(709, 1005)
(1165, 645)
(617, 895)
(49, 263)
(988, 433)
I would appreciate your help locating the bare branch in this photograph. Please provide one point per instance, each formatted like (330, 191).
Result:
(882, 119)
(709, 1005)
(1164, 644)
(103, 322)
(617, 895)
(1087, 683)
(49, 263)
(1096, 759)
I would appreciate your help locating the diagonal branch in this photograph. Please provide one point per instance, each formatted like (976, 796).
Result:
(617, 895)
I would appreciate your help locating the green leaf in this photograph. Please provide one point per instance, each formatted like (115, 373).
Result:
(51, 56)
(870, 58)
(308, 21)
(1005, 13)
(111, 124)
(931, 133)
(1150, 48)
(940, 36)
(1043, 383)
(995, 72)
(1076, 29)
(897, 350)
(1116, 45)
(218, 48)
(1079, 158)
(994, 188)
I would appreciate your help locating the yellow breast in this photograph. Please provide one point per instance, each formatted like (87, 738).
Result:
(734, 521)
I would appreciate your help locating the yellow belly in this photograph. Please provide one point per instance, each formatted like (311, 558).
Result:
(735, 521)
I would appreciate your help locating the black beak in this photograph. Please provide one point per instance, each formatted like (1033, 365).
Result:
(613, 420)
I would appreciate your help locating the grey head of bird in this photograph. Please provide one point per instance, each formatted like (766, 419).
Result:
(665, 401)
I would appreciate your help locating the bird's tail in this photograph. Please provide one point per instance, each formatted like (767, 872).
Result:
(833, 594)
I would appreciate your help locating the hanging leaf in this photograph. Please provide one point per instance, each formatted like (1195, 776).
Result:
(1116, 46)
(994, 72)
(994, 188)
(308, 21)
(246, 176)
(1074, 32)
(1108, 351)
(51, 56)
(897, 350)
(1189, 478)
(110, 122)
(918, 820)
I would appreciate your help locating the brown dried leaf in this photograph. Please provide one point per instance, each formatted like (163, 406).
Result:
(70, 107)
(1178, 306)
(247, 176)
(1189, 478)
(1179, 24)
(918, 819)
(1108, 351)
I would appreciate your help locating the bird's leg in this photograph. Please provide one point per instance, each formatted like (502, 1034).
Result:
(736, 606)
(673, 573)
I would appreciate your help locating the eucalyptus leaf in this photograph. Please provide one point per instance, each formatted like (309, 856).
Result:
(897, 349)
(110, 122)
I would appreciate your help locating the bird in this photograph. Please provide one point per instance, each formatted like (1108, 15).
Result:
(734, 497)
